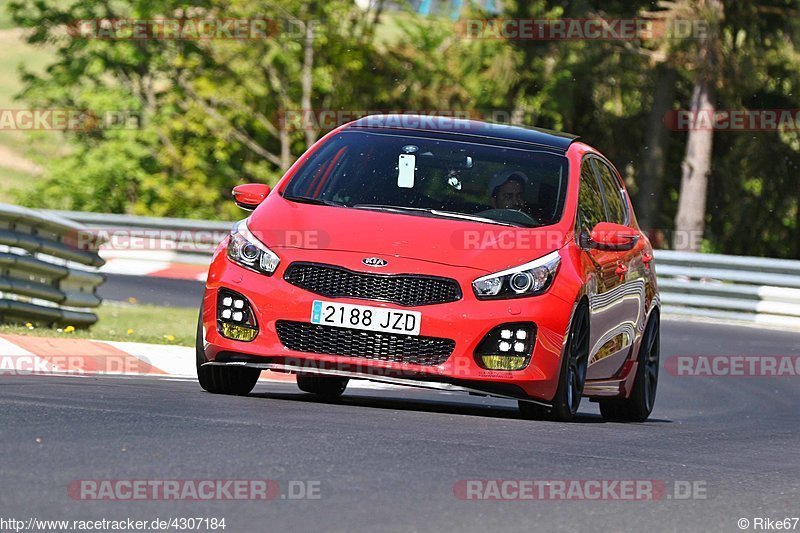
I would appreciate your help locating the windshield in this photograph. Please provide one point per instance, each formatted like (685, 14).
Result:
(434, 176)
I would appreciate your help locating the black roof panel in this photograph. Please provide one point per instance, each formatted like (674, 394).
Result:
(442, 124)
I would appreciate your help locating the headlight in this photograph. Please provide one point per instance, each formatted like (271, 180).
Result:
(245, 250)
(525, 280)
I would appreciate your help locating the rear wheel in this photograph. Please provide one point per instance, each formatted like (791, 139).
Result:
(639, 405)
(236, 381)
(572, 376)
(328, 387)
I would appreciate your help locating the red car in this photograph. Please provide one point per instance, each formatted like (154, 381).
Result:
(440, 253)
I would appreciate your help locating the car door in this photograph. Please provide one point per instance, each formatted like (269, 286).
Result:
(617, 306)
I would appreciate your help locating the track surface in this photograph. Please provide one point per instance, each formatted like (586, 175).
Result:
(154, 291)
(387, 460)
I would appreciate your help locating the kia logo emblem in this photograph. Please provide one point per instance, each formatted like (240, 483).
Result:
(375, 262)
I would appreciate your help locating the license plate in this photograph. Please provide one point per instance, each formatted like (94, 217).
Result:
(366, 317)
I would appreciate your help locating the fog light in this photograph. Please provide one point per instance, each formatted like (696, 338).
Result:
(507, 347)
(235, 318)
(504, 362)
(237, 333)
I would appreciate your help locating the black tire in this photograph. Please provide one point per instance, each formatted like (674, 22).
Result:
(328, 387)
(638, 407)
(572, 376)
(236, 381)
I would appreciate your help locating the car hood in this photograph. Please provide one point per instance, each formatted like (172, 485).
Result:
(280, 224)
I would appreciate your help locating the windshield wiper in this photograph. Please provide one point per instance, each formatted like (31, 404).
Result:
(434, 212)
(474, 218)
(311, 200)
(401, 208)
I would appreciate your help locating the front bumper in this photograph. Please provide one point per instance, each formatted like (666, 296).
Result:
(465, 321)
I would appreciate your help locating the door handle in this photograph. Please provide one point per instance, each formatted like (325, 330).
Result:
(647, 259)
(621, 271)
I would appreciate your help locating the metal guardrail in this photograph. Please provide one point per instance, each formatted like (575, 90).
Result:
(753, 289)
(104, 220)
(136, 238)
(48, 269)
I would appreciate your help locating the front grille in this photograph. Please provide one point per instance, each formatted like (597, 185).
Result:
(402, 289)
(314, 338)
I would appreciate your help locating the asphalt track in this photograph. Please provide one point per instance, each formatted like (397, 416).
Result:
(151, 290)
(388, 460)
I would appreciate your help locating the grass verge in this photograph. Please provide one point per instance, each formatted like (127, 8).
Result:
(131, 323)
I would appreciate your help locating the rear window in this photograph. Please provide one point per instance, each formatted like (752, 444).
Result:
(590, 200)
(613, 193)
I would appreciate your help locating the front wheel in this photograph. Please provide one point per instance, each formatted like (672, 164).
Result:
(638, 407)
(236, 381)
(572, 376)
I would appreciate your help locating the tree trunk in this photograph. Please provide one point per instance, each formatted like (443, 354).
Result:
(690, 219)
(307, 80)
(286, 154)
(651, 176)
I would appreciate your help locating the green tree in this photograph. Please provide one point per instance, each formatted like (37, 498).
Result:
(212, 111)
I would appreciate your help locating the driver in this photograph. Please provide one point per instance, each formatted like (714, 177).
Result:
(507, 188)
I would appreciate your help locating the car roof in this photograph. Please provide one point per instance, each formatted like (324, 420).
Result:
(467, 128)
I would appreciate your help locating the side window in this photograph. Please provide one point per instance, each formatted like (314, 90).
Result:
(590, 201)
(612, 190)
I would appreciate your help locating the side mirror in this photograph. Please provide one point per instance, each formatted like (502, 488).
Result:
(612, 237)
(249, 195)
